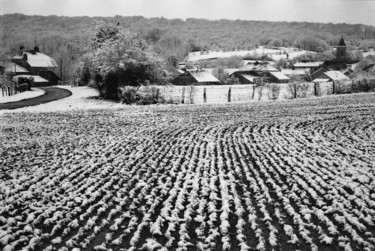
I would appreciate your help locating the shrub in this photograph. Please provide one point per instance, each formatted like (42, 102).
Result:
(191, 93)
(342, 87)
(363, 85)
(273, 91)
(145, 96)
(298, 90)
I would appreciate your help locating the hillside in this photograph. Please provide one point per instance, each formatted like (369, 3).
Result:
(65, 38)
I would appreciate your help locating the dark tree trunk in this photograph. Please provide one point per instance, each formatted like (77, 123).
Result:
(183, 95)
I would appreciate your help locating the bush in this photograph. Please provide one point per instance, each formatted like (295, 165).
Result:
(363, 85)
(342, 87)
(146, 96)
(273, 91)
(298, 90)
(128, 94)
(191, 93)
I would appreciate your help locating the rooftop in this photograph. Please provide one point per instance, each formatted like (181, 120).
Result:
(336, 75)
(308, 64)
(202, 76)
(279, 75)
(14, 68)
(342, 42)
(258, 67)
(38, 59)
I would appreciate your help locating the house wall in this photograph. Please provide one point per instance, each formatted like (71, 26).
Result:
(273, 79)
(241, 78)
(184, 80)
(50, 76)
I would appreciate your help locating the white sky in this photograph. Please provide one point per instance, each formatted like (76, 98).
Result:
(334, 11)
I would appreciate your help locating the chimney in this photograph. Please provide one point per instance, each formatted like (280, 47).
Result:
(36, 49)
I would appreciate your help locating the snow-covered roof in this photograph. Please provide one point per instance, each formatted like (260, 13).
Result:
(38, 79)
(336, 75)
(279, 75)
(308, 64)
(293, 72)
(12, 67)
(321, 80)
(40, 60)
(258, 67)
(230, 71)
(202, 76)
(249, 77)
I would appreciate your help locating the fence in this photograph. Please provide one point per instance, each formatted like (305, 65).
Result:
(241, 93)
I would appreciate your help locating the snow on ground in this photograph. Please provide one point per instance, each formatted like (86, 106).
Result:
(368, 53)
(81, 99)
(276, 54)
(35, 92)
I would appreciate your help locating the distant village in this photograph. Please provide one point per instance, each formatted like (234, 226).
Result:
(261, 71)
(36, 67)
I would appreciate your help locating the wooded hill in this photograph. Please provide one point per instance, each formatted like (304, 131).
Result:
(65, 38)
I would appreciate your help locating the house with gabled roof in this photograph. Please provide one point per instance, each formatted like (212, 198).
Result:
(195, 77)
(331, 76)
(35, 63)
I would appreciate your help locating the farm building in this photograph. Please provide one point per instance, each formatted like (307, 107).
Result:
(331, 76)
(308, 66)
(258, 67)
(318, 72)
(278, 77)
(291, 72)
(195, 78)
(249, 79)
(35, 63)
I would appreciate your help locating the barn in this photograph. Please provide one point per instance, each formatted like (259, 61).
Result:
(278, 77)
(195, 78)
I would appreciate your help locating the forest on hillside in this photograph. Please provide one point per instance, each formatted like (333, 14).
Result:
(67, 38)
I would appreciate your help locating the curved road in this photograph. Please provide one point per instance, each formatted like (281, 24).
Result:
(52, 94)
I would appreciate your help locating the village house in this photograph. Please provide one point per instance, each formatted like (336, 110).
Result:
(195, 77)
(259, 72)
(308, 67)
(331, 76)
(36, 64)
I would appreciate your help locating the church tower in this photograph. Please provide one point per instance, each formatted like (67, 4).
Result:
(341, 50)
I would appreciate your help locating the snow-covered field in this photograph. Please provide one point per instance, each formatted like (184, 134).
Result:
(285, 175)
(368, 53)
(81, 99)
(276, 54)
(35, 92)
